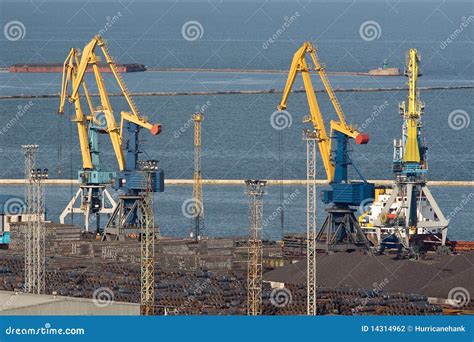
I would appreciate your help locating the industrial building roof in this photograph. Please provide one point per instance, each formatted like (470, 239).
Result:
(18, 303)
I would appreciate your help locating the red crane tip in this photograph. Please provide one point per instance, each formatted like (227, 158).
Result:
(156, 129)
(362, 139)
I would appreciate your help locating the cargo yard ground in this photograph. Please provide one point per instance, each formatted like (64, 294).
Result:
(209, 277)
(236, 92)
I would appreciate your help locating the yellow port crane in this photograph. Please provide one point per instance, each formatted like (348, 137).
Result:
(74, 72)
(101, 119)
(340, 229)
(408, 217)
(336, 160)
(299, 65)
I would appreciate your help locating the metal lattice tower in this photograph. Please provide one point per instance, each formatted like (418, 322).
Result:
(198, 214)
(255, 191)
(147, 241)
(311, 137)
(35, 261)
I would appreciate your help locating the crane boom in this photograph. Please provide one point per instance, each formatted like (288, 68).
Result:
(74, 72)
(70, 76)
(300, 65)
(413, 113)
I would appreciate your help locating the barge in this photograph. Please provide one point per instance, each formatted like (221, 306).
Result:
(43, 68)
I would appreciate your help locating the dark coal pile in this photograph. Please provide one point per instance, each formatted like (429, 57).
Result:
(434, 276)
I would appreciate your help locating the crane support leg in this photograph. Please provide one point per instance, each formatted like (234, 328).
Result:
(94, 200)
